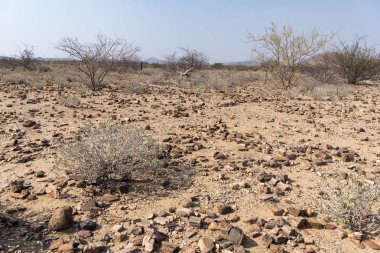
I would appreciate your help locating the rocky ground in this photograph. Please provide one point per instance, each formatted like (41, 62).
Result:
(245, 173)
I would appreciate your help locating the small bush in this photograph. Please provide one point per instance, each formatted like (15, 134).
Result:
(356, 205)
(158, 76)
(17, 78)
(357, 61)
(318, 91)
(26, 56)
(190, 61)
(110, 153)
(223, 80)
(220, 79)
(135, 88)
(44, 69)
(217, 65)
(69, 101)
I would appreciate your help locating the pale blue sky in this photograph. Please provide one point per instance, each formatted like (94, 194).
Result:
(216, 27)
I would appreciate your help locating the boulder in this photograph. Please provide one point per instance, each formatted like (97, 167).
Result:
(62, 218)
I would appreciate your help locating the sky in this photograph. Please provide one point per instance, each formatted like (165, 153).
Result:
(159, 27)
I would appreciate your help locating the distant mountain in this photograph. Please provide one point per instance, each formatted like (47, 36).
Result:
(7, 58)
(53, 59)
(153, 60)
(245, 63)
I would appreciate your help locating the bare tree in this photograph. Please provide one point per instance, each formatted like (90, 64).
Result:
(26, 56)
(97, 60)
(282, 52)
(190, 61)
(356, 61)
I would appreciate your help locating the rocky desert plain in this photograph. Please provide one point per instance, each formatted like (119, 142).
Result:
(246, 170)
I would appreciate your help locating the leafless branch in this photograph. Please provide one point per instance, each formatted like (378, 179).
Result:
(98, 59)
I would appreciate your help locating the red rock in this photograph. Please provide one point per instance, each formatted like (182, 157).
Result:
(56, 244)
(67, 247)
(298, 222)
(62, 218)
(371, 245)
(276, 210)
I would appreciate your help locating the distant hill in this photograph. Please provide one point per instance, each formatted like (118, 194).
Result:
(154, 60)
(53, 59)
(37, 58)
(7, 58)
(245, 63)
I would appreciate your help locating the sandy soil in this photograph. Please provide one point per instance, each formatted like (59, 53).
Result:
(248, 126)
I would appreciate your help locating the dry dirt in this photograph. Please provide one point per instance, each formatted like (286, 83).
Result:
(248, 127)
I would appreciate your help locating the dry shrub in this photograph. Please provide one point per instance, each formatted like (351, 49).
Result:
(189, 61)
(67, 78)
(109, 153)
(134, 88)
(220, 79)
(329, 91)
(15, 78)
(69, 101)
(320, 68)
(356, 61)
(355, 204)
(43, 69)
(158, 76)
(97, 60)
(318, 91)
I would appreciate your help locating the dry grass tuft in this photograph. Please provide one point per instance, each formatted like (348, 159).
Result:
(355, 204)
(69, 101)
(318, 91)
(220, 79)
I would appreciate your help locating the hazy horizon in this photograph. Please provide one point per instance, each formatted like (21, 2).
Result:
(217, 28)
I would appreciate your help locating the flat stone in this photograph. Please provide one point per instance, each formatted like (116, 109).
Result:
(168, 248)
(267, 240)
(109, 198)
(195, 221)
(288, 230)
(117, 228)
(88, 225)
(120, 236)
(276, 210)
(160, 220)
(276, 249)
(206, 245)
(92, 248)
(314, 223)
(187, 202)
(84, 233)
(235, 236)
(342, 234)
(67, 247)
(56, 244)
(298, 222)
(88, 205)
(295, 211)
(184, 212)
(148, 241)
